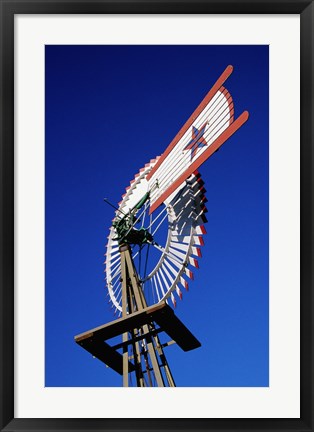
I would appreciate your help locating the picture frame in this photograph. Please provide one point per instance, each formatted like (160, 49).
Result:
(8, 10)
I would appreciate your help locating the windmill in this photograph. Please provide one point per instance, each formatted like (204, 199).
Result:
(155, 242)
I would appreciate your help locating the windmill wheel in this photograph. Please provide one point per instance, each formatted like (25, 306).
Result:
(173, 232)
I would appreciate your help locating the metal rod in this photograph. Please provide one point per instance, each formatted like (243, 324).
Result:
(116, 208)
(125, 336)
(137, 339)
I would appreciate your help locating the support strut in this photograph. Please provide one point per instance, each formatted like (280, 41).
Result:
(151, 359)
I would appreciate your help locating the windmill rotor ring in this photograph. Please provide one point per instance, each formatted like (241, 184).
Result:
(180, 218)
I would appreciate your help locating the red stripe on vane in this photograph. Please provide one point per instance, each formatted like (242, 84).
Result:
(230, 103)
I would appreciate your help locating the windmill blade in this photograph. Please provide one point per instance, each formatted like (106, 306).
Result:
(210, 125)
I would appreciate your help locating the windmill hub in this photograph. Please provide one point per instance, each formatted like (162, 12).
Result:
(137, 236)
(125, 230)
(128, 234)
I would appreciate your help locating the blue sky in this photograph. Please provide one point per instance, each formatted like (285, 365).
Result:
(109, 110)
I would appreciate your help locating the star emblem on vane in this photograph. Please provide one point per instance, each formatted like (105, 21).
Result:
(197, 140)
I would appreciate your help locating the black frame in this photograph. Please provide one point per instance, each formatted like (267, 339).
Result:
(8, 9)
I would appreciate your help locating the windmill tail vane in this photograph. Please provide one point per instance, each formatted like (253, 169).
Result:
(154, 245)
(210, 125)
